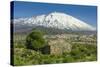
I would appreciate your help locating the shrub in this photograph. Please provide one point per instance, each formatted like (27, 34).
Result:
(17, 45)
(68, 59)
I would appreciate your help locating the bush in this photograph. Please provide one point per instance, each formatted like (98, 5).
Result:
(68, 59)
(17, 45)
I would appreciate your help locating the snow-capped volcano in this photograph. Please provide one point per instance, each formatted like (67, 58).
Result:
(54, 20)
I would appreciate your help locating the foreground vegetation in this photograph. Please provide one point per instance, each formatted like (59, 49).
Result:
(23, 55)
(79, 53)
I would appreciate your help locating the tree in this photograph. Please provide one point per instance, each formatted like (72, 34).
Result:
(35, 40)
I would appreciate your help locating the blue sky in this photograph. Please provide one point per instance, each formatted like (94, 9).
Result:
(87, 14)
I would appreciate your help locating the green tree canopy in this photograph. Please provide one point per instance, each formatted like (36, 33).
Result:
(35, 40)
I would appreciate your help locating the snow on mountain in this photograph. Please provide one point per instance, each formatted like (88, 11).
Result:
(55, 20)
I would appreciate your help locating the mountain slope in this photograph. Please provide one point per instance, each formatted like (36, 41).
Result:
(55, 20)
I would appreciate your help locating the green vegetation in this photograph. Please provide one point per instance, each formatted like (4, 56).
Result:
(35, 40)
(23, 56)
(25, 51)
